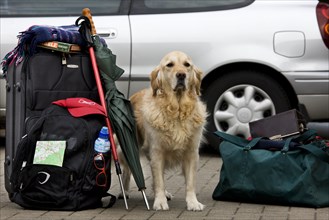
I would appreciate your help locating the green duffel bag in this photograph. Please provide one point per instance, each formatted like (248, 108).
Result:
(288, 172)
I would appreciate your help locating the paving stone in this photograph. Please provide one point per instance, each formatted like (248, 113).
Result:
(207, 179)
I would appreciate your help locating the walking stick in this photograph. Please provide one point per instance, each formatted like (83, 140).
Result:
(86, 13)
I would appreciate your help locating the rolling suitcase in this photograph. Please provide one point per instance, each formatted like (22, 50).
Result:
(34, 84)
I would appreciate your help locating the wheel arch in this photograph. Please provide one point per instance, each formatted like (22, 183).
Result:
(274, 74)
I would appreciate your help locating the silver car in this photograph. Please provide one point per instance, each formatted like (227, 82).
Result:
(259, 57)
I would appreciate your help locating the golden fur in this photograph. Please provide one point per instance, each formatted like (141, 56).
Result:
(170, 119)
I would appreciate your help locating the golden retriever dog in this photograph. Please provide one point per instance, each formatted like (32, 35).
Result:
(170, 120)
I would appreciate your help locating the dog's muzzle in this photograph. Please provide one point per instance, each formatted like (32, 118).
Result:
(180, 83)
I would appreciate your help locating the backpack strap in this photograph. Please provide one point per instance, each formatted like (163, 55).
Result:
(113, 199)
(24, 148)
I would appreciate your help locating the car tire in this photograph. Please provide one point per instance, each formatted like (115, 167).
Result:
(239, 97)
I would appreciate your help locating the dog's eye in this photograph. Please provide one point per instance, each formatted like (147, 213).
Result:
(186, 64)
(170, 64)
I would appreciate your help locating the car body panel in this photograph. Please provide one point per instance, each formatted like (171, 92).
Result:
(282, 35)
(205, 33)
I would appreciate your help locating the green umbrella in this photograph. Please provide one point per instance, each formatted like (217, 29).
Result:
(119, 111)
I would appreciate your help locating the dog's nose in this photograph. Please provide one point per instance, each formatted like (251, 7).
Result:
(181, 76)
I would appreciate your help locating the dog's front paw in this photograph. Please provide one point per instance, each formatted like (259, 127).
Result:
(160, 204)
(195, 206)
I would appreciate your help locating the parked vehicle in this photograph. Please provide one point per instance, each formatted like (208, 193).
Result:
(259, 57)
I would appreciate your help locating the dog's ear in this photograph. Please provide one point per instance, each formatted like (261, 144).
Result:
(197, 79)
(155, 82)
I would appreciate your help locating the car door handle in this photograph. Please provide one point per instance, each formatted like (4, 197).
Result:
(112, 33)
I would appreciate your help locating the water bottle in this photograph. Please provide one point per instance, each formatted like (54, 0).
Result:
(102, 144)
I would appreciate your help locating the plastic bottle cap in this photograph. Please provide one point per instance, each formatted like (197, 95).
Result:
(104, 133)
(102, 144)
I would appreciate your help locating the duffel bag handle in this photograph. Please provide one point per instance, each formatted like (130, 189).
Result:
(247, 145)
(316, 152)
(253, 143)
(307, 135)
(233, 139)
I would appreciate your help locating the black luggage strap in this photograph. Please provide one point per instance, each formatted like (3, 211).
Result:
(113, 199)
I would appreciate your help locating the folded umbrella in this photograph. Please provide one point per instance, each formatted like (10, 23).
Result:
(118, 108)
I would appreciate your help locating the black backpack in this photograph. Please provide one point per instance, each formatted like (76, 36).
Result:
(71, 186)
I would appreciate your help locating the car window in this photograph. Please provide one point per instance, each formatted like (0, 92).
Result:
(28, 8)
(178, 6)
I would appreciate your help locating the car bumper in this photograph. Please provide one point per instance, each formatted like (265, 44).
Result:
(312, 89)
(317, 106)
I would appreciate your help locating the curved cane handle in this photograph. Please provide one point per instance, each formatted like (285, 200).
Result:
(86, 12)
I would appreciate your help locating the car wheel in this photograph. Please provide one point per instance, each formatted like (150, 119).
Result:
(239, 97)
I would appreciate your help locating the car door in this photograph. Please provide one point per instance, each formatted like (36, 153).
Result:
(192, 26)
(110, 18)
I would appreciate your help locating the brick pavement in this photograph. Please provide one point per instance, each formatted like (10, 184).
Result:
(208, 175)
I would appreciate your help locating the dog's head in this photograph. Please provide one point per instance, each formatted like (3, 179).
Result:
(176, 72)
